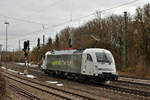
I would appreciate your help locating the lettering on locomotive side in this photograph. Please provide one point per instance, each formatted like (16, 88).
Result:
(56, 63)
(61, 62)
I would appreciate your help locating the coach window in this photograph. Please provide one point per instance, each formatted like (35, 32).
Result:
(89, 58)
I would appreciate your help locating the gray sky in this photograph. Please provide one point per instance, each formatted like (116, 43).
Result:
(50, 13)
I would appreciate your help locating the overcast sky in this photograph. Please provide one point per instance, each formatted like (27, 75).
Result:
(50, 13)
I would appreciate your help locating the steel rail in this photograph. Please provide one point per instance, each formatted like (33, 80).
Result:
(127, 90)
(39, 88)
(23, 92)
(48, 86)
(115, 88)
(133, 83)
(134, 77)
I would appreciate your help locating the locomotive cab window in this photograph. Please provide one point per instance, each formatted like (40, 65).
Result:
(89, 57)
(103, 57)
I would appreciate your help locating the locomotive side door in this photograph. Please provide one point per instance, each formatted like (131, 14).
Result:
(88, 64)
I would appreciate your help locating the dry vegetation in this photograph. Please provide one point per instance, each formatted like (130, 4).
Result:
(2, 86)
(109, 31)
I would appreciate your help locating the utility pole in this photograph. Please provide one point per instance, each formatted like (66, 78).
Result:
(125, 62)
(6, 23)
(43, 40)
(38, 47)
(43, 26)
(0, 54)
(19, 46)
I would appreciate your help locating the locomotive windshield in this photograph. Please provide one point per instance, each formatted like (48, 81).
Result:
(103, 57)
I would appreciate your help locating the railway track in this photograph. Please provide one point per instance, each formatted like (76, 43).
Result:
(120, 87)
(57, 92)
(23, 93)
(134, 77)
(29, 95)
(127, 90)
(9, 97)
(132, 85)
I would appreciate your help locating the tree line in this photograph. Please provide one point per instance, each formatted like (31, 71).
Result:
(110, 34)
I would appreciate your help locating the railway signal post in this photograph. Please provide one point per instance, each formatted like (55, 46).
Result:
(6, 23)
(125, 40)
(26, 55)
(38, 46)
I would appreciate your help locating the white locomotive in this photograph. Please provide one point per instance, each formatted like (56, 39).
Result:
(92, 63)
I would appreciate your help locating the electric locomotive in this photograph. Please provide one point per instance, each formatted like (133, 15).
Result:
(92, 63)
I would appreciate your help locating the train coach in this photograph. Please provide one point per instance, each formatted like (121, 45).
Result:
(92, 63)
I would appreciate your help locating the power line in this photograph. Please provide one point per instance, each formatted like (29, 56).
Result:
(46, 28)
(121, 5)
(19, 19)
(60, 24)
(45, 8)
(118, 6)
(24, 20)
(102, 11)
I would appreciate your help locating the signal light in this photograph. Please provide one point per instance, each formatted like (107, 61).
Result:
(38, 42)
(26, 45)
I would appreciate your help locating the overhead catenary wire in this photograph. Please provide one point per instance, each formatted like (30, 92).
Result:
(45, 8)
(46, 28)
(68, 21)
(111, 8)
(79, 18)
(22, 20)
(76, 19)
